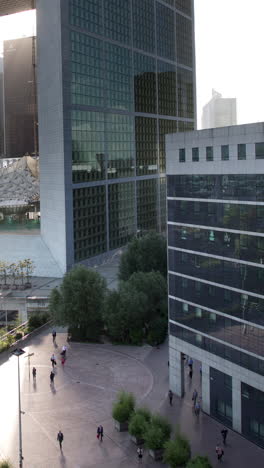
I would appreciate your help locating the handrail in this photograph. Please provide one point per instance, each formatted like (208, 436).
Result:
(12, 332)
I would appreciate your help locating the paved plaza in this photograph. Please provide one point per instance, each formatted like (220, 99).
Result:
(81, 399)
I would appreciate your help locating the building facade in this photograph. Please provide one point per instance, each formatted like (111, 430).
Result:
(20, 105)
(216, 269)
(219, 111)
(113, 78)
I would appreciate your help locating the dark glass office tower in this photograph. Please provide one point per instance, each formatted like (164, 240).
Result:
(132, 82)
(216, 269)
(20, 107)
(1, 108)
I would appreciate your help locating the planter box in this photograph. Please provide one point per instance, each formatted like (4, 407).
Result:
(136, 440)
(121, 427)
(156, 454)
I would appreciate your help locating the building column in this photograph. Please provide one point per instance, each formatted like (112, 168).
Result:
(236, 404)
(205, 388)
(176, 372)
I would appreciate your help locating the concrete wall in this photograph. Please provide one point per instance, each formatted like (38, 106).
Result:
(51, 128)
(248, 134)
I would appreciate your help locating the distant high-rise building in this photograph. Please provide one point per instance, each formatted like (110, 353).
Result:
(219, 111)
(20, 110)
(1, 109)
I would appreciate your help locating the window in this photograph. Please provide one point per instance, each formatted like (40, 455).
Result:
(225, 152)
(195, 154)
(212, 316)
(241, 151)
(198, 312)
(259, 150)
(209, 153)
(185, 307)
(182, 155)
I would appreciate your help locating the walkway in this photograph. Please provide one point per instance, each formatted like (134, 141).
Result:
(82, 398)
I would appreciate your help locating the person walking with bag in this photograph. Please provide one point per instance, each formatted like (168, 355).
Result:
(100, 433)
(53, 360)
(140, 454)
(219, 452)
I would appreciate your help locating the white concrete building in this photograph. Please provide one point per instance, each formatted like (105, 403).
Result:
(215, 196)
(219, 111)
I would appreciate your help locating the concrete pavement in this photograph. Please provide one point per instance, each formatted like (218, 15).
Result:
(81, 399)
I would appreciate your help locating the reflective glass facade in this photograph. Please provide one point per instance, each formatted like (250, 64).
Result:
(216, 247)
(131, 76)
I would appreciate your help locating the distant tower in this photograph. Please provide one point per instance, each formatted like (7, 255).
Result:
(20, 110)
(219, 111)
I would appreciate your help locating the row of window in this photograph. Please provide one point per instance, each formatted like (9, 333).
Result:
(241, 152)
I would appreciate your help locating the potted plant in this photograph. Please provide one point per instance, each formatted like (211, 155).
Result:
(21, 266)
(122, 410)
(199, 462)
(13, 274)
(138, 425)
(177, 452)
(4, 275)
(29, 270)
(158, 432)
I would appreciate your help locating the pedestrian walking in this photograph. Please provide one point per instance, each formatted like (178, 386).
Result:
(190, 363)
(194, 397)
(62, 361)
(34, 372)
(52, 375)
(224, 433)
(197, 408)
(60, 438)
(100, 433)
(170, 395)
(219, 452)
(190, 373)
(54, 334)
(63, 351)
(140, 454)
(53, 360)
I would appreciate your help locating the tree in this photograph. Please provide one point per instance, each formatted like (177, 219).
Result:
(199, 462)
(148, 253)
(138, 305)
(79, 303)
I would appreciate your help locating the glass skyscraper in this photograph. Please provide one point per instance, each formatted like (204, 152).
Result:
(132, 82)
(216, 269)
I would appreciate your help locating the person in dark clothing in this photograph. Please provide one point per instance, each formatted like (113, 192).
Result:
(219, 452)
(60, 438)
(34, 372)
(100, 433)
(170, 395)
(54, 334)
(194, 397)
(224, 433)
(190, 373)
(140, 454)
(52, 375)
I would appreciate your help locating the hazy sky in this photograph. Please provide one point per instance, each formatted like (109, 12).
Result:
(229, 54)
(16, 26)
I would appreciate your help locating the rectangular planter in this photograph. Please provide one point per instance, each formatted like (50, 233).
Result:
(121, 427)
(156, 454)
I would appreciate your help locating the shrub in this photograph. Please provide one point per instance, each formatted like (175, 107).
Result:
(145, 413)
(18, 336)
(157, 433)
(157, 331)
(123, 407)
(36, 320)
(137, 426)
(177, 452)
(5, 464)
(199, 462)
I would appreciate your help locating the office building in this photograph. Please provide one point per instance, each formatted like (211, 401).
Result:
(113, 77)
(216, 270)
(20, 106)
(1, 109)
(219, 112)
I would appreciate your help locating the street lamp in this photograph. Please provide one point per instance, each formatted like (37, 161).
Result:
(18, 352)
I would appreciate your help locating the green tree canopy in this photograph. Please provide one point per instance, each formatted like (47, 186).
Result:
(148, 253)
(79, 302)
(137, 308)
